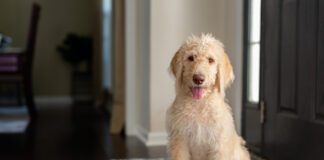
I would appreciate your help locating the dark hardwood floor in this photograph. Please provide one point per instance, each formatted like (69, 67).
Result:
(72, 133)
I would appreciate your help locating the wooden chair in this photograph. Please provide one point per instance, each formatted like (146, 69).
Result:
(16, 64)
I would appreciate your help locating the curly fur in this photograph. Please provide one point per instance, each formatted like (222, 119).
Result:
(202, 129)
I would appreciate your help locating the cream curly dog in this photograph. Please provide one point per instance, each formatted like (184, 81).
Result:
(199, 122)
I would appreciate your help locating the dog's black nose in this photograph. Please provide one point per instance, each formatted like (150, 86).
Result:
(198, 79)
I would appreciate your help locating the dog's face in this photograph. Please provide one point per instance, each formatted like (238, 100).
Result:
(201, 67)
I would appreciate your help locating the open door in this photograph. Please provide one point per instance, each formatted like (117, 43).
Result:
(293, 79)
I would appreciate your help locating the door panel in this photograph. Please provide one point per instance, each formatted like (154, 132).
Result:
(288, 48)
(252, 133)
(307, 57)
(293, 80)
(319, 112)
(270, 40)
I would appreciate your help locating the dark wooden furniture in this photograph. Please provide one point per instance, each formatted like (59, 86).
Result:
(16, 65)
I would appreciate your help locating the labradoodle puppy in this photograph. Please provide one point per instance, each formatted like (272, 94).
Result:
(199, 122)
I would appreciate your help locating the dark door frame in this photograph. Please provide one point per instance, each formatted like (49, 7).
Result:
(245, 102)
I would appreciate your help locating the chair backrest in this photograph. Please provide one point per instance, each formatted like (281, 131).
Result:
(31, 38)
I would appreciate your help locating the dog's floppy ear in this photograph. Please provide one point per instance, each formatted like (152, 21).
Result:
(176, 64)
(176, 67)
(225, 75)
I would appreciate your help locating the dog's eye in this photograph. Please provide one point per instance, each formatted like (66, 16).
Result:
(191, 58)
(211, 60)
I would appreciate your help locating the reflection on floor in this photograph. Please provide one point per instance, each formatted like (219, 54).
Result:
(72, 133)
(13, 119)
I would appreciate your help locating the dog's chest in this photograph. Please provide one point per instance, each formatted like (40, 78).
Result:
(201, 125)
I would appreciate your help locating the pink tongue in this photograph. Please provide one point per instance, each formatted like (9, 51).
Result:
(197, 92)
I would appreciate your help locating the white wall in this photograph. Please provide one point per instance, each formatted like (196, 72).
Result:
(131, 67)
(167, 23)
(137, 65)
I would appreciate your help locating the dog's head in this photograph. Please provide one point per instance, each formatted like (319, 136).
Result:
(202, 67)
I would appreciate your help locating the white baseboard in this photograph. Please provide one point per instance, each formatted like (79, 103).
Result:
(53, 100)
(152, 138)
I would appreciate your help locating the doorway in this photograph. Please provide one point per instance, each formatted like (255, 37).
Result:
(287, 121)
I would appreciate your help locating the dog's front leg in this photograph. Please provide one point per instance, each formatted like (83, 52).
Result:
(179, 149)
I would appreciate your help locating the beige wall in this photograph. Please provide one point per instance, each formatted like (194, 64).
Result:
(167, 24)
(13, 19)
(58, 17)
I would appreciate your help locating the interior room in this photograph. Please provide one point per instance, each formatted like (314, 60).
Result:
(94, 79)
